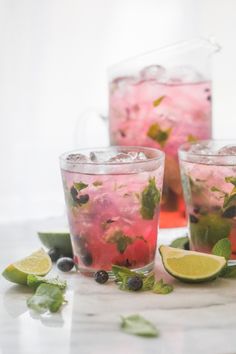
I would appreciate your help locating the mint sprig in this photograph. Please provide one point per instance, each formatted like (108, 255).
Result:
(181, 242)
(47, 297)
(150, 198)
(159, 135)
(80, 185)
(33, 281)
(139, 326)
(161, 288)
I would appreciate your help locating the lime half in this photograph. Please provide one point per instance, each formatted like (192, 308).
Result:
(189, 266)
(38, 263)
(57, 239)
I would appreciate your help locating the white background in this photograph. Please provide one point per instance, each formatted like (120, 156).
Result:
(53, 60)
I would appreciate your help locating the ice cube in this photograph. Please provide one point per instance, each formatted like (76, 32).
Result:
(228, 150)
(183, 74)
(77, 158)
(142, 156)
(122, 82)
(101, 156)
(121, 157)
(152, 72)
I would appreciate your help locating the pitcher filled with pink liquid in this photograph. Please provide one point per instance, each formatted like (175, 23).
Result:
(163, 99)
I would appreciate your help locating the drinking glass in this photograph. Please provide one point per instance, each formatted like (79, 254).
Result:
(208, 171)
(112, 197)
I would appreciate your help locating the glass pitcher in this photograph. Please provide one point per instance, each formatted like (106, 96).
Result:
(162, 99)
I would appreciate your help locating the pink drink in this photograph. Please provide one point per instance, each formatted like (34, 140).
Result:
(113, 206)
(209, 182)
(163, 115)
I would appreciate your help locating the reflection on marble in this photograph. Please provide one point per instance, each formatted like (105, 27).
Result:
(193, 319)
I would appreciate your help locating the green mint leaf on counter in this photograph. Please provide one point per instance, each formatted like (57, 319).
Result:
(158, 101)
(122, 272)
(159, 135)
(181, 242)
(229, 272)
(148, 282)
(150, 198)
(80, 185)
(161, 288)
(33, 281)
(47, 297)
(231, 179)
(139, 326)
(222, 248)
(97, 183)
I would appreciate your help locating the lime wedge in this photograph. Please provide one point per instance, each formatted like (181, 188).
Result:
(38, 263)
(57, 239)
(189, 266)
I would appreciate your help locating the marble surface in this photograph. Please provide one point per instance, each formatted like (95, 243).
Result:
(192, 319)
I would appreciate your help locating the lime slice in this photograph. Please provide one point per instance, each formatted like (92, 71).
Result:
(191, 266)
(38, 263)
(57, 239)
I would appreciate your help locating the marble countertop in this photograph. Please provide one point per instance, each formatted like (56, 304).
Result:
(193, 319)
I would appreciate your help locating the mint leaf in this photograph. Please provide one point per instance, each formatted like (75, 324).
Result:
(33, 281)
(222, 248)
(47, 297)
(158, 101)
(160, 136)
(121, 240)
(97, 183)
(229, 272)
(122, 272)
(80, 185)
(150, 198)
(231, 179)
(161, 288)
(192, 138)
(181, 242)
(148, 282)
(139, 326)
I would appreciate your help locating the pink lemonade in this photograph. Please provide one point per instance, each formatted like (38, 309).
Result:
(164, 115)
(209, 183)
(113, 215)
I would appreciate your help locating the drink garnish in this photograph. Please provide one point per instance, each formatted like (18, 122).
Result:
(161, 288)
(222, 248)
(97, 183)
(33, 281)
(121, 240)
(139, 326)
(159, 135)
(47, 297)
(158, 101)
(181, 242)
(150, 198)
(80, 185)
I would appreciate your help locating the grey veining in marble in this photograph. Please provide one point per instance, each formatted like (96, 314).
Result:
(193, 319)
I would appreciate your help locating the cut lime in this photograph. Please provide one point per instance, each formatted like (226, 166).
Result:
(208, 230)
(191, 266)
(38, 263)
(57, 239)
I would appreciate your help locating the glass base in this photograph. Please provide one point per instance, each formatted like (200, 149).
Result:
(90, 272)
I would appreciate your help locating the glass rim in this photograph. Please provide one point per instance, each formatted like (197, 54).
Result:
(184, 150)
(159, 155)
(205, 41)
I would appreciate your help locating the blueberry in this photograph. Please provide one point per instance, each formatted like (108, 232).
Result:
(101, 276)
(74, 193)
(193, 219)
(87, 259)
(230, 212)
(65, 264)
(134, 283)
(83, 199)
(54, 254)
(209, 98)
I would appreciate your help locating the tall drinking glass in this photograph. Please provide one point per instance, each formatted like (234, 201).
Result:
(208, 171)
(162, 99)
(112, 197)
